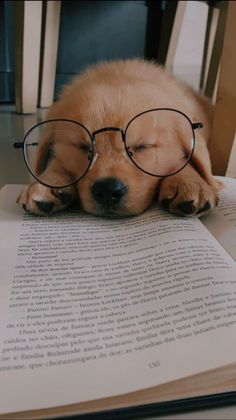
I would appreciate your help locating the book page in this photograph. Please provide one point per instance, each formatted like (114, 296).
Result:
(227, 204)
(221, 222)
(91, 308)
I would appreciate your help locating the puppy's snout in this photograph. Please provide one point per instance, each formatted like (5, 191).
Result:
(108, 191)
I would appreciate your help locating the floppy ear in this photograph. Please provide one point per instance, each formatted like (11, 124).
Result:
(44, 153)
(202, 163)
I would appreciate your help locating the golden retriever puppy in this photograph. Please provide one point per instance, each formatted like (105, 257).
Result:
(108, 96)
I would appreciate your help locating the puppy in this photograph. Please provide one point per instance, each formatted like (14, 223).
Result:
(110, 94)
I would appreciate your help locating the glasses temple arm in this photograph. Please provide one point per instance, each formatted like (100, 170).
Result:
(20, 145)
(197, 125)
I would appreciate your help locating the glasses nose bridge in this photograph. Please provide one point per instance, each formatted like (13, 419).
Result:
(105, 129)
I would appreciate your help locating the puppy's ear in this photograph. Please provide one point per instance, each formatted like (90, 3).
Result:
(44, 153)
(201, 161)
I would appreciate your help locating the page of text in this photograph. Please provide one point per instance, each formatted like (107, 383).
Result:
(222, 221)
(137, 302)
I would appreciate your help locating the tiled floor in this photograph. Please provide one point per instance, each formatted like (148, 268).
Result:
(12, 129)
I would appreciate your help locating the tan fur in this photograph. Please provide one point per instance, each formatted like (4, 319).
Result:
(110, 94)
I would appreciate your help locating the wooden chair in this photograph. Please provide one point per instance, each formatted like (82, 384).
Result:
(224, 122)
(218, 75)
(36, 29)
(27, 23)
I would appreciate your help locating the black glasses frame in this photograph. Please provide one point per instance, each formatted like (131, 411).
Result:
(92, 136)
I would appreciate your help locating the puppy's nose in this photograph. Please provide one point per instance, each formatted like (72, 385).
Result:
(108, 191)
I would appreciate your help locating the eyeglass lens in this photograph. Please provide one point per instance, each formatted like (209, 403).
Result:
(160, 142)
(58, 153)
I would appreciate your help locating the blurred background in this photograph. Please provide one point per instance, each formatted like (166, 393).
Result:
(43, 44)
(91, 31)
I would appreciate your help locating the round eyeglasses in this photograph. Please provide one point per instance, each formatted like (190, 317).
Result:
(59, 152)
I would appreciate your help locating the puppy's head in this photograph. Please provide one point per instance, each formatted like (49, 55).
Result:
(114, 185)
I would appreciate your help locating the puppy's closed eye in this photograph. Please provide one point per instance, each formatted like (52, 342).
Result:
(139, 148)
(84, 147)
(142, 147)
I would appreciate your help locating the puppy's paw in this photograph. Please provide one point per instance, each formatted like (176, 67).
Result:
(191, 198)
(42, 200)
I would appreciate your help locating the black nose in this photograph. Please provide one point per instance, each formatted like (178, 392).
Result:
(108, 191)
(45, 206)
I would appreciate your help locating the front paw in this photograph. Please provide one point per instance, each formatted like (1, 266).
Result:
(42, 200)
(191, 198)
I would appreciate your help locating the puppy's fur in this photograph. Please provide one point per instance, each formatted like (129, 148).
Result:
(109, 95)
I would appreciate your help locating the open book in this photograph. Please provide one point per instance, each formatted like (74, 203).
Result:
(100, 315)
